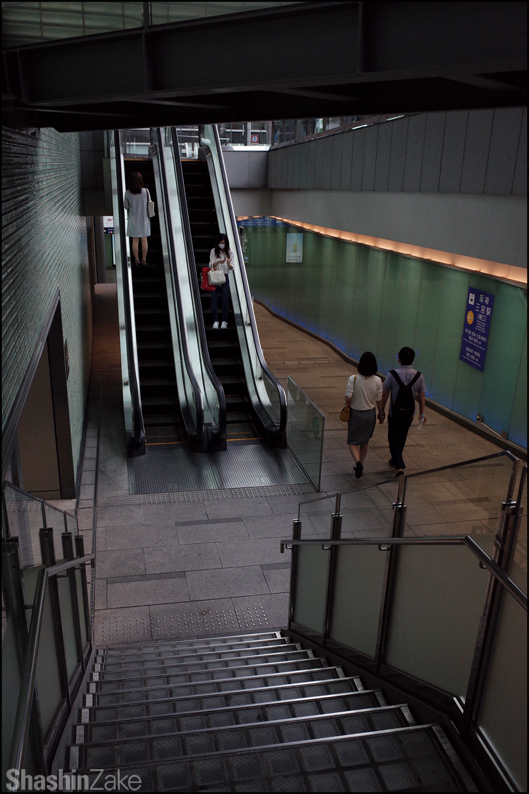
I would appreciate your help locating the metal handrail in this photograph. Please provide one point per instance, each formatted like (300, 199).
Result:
(25, 700)
(453, 540)
(281, 430)
(138, 428)
(196, 291)
(199, 403)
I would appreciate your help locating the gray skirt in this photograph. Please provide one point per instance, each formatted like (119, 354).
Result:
(361, 426)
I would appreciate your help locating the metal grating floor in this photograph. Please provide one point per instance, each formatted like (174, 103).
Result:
(169, 470)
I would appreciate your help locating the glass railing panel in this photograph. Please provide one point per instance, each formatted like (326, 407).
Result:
(368, 511)
(465, 499)
(316, 516)
(311, 585)
(503, 717)
(68, 625)
(55, 521)
(47, 675)
(518, 567)
(11, 686)
(358, 587)
(25, 519)
(81, 604)
(437, 602)
(72, 526)
(305, 429)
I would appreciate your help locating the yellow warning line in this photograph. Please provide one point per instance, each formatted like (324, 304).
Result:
(163, 443)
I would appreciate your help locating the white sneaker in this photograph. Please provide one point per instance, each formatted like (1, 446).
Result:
(223, 326)
(215, 326)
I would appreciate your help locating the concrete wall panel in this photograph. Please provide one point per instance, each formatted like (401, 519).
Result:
(257, 170)
(432, 153)
(398, 155)
(414, 150)
(336, 168)
(359, 142)
(327, 162)
(477, 147)
(347, 159)
(383, 156)
(519, 187)
(503, 151)
(370, 157)
(453, 151)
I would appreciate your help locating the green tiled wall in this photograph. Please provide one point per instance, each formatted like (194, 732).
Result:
(44, 247)
(362, 298)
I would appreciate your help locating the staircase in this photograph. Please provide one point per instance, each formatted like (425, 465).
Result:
(251, 712)
(223, 346)
(159, 396)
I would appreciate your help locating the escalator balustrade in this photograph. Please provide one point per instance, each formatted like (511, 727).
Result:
(159, 397)
(223, 345)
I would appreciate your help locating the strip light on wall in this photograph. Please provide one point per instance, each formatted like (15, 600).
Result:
(510, 273)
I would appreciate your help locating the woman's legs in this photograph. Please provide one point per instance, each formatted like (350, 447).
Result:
(136, 259)
(355, 452)
(144, 249)
(225, 292)
(363, 452)
(214, 304)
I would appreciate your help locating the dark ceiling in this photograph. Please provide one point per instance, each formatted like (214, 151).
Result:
(300, 61)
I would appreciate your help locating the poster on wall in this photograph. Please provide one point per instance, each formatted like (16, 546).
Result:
(294, 247)
(476, 328)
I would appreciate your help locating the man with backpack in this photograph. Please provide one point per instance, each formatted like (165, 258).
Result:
(404, 384)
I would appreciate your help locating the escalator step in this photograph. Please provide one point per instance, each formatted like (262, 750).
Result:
(159, 420)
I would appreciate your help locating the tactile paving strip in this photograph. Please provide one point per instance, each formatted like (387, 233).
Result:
(182, 623)
(168, 470)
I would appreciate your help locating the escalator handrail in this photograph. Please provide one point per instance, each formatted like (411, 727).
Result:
(138, 428)
(199, 403)
(253, 324)
(196, 290)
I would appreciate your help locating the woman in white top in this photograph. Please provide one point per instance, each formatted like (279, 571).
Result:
(363, 392)
(138, 221)
(221, 258)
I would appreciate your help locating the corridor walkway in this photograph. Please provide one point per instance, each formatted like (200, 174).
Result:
(209, 561)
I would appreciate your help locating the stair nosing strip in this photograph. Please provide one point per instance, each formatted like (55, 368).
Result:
(238, 637)
(244, 725)
(230, 650)
(234, 667)
(217, 680)
(279, 746)
(216, 694)
(309, 699)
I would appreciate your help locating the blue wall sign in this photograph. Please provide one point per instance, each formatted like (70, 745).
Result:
(476, 328)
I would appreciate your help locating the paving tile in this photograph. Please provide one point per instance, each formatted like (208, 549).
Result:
(120, 563)
(270, 526)
(138, 536)
(85, 518)
(122, 515)
(194, 618)
(278, 580)
(251, 552)
(238, 508)
(182, 558)
(224, 583)
(100, 593)
(210, 533)
(162, 591)
(274, 607)
(130, 624)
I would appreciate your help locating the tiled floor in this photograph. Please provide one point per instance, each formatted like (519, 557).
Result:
(214, 564)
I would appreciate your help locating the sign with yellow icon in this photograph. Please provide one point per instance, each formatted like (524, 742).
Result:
(294, 247)
(476, 328)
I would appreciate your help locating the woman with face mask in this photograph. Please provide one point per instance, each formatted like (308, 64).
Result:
(221, 258)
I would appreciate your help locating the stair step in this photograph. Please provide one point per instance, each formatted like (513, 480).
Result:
(193, 700)
(196, 657)
(232, 715)
(170, 741)
(109, 682)
(325, 764)
(227, 641)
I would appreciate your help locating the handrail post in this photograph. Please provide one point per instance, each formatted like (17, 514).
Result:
(399, 515)
(296, 535)
(336, 534)
(68, 552)
(48, 559)
(504, 552)
(79, 552)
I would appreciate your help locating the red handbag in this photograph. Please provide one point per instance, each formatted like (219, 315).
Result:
(205, 285)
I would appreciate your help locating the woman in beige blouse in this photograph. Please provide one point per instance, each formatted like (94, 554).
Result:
(363, 393)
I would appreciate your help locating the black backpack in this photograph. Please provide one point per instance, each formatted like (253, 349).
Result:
(404, 405)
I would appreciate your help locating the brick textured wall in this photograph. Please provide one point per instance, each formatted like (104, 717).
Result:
(44, 245)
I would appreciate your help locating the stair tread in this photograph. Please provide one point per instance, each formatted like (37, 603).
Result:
(268, 650)
(198, 641)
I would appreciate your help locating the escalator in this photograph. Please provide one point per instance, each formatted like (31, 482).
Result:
(159, 397)
(242, 423)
